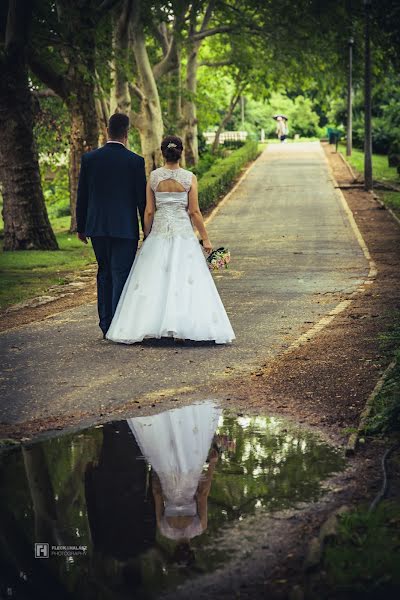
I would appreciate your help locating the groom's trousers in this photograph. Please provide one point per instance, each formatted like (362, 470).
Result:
(114, 257)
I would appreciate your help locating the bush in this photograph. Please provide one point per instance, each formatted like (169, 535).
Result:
(205, 163)
(218, 179)
(233, 144)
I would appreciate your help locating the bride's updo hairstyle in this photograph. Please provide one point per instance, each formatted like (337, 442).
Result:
(172, 148)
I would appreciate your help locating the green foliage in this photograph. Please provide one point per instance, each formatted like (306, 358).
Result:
(385, 114)
(205, 163)
(55, 186)
(51, 128)
(221, 175)
(363, 562)
(303, 119)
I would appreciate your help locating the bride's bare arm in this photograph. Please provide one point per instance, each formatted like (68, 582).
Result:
(149, 210)
(196, 216)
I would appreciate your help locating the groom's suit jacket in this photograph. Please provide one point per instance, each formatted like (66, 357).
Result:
(111, 192)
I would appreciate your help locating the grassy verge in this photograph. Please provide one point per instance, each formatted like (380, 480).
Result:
(380, 167)
(25, 274)
(363, 561)
(385, 414)
(392, 200)
(28, 273)
(382, 172)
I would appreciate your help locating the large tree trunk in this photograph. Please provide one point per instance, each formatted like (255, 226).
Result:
(189, 107)
(84, 136)
(26, 224)
(150, 121)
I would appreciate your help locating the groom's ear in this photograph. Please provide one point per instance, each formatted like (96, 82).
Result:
(108, 133)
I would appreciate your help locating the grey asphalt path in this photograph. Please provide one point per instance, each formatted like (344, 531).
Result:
(294, 255)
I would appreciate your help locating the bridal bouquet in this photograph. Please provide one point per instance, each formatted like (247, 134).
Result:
(218, 259)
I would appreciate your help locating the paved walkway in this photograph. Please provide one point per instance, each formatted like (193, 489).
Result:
(293, 255)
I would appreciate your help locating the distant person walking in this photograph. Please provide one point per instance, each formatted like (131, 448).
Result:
(281, 128)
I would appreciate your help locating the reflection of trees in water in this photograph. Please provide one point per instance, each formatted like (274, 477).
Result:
(43, 501)
(272, 466)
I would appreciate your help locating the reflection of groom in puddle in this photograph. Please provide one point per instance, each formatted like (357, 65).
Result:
(121, 517)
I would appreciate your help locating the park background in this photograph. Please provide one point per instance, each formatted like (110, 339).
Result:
(193, 68)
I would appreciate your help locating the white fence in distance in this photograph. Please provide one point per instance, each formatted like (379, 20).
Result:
(226, 136)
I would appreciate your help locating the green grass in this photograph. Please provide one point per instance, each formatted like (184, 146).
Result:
(381, 170)
(363, 561)
(384, 417)
(28, 273)
(392, 200)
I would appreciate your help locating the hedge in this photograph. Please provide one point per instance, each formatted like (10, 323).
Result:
(215, 182)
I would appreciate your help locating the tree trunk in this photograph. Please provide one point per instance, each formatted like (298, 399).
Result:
(150, 121)
(102, 113)
(233, 103)
(84, 133)
(26, 224)
(42, 495)
(189, 107)
(120, 98)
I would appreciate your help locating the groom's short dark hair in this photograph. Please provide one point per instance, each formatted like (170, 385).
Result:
(118, 126)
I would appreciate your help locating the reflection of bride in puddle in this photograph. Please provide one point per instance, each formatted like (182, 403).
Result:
(177, 443)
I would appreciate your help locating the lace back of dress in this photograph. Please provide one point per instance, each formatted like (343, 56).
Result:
(180, 175)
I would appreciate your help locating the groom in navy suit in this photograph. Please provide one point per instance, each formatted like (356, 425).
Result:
(111, 193)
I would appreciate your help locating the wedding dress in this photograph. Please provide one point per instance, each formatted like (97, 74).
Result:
(176, 443)
(170, 291)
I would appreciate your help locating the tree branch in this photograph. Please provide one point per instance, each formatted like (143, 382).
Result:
(47, 74)
(169, 62)
(134, 89)
(136, 119)
(200, 35)
(171, 58)
(219, 63)
(106, 5)
(207, 15)
(47, 93)
(161, 34)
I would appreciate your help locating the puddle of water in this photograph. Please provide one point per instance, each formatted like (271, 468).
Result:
(147, 502)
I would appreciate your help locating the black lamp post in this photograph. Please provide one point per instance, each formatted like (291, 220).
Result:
(368, 182)
(350, 100)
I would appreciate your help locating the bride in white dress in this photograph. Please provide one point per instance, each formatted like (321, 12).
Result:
(170, 291)
(177, 443)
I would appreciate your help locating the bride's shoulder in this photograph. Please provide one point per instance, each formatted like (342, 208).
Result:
(186, 177)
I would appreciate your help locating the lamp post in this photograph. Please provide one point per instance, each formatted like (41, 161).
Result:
(350, 100)
(368, 182)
